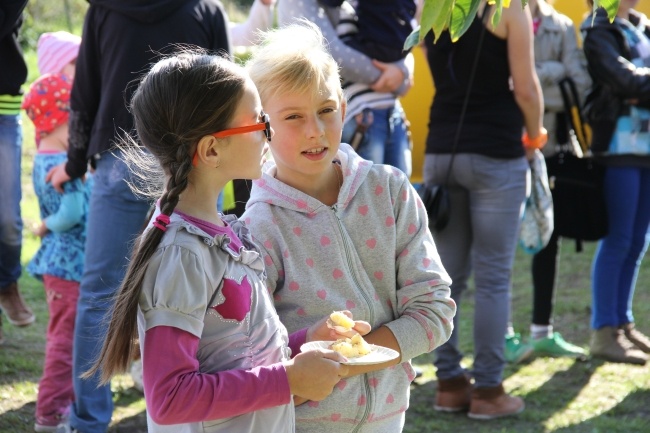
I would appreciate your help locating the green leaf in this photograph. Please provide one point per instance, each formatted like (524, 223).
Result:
(412, 40)
(457, 16)
(611, 6)
(435, 16)
(461, 17)
(497, 13)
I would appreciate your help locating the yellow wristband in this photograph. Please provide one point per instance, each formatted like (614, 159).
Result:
(537, 142)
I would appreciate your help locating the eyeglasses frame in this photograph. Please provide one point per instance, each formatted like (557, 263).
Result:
(264, 125)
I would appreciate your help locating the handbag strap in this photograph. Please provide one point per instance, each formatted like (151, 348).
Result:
(573, 112)
(463, 110)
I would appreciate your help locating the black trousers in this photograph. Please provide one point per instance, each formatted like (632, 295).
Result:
(544, 270)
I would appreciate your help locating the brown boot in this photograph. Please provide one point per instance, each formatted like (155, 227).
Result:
(493, 402)
(12, 303)
(609, 343)
(453, 394)
(641, 341)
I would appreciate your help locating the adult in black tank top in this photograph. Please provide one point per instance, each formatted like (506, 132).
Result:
(487, 185)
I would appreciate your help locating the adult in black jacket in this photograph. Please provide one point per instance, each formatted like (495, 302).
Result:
(618, 108)
(121, 39)
(13, 73)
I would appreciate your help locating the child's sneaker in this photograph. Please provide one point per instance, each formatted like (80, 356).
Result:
(555, 345)
(65, 427)
(49, 424)
(516, 349)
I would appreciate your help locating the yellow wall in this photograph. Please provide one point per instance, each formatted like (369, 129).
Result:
(418, 100)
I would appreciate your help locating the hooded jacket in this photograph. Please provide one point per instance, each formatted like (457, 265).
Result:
(371, 253)
(615, 80)
(121, 39)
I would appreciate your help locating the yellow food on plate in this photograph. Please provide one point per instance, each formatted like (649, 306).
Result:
(351, 347)
(340, 319)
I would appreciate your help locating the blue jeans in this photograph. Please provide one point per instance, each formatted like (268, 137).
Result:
(619, 254)
(11, 223)
(386, 140)
(115, 219)
(486, 198)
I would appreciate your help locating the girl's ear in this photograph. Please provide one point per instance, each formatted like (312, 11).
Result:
(344, 108)
(207, 151)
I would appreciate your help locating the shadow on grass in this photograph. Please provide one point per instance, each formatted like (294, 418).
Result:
(19, 419)
(632, 414)
(553, 396)
(559, 390)
(134, 424)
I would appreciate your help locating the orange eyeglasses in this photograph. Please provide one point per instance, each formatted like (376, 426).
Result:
(264, 125)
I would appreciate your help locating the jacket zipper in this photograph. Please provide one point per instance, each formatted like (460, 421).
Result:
(347, 248)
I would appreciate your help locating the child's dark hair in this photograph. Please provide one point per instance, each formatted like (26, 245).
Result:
(180, 100)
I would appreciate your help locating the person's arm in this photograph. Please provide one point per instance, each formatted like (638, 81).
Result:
(259, 18)
(608, 66)
(356, 67)
(393, 79)
(84, 101)
(425, 310)
(521, 58)
(172, 379)
(69, 214)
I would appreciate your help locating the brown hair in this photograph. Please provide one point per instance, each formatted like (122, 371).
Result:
(180, 100)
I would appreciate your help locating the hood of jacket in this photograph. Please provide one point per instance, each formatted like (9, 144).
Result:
(270, 190)
(146, 11)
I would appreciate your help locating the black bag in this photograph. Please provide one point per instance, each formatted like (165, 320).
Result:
(436, 203)
(577, 189)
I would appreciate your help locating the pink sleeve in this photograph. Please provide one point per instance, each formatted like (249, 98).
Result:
(176, 392)
(296, 340)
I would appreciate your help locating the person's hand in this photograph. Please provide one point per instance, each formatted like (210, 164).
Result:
(391, 77)
(40, 230)
(312, 375)
(319, 331)
(267, 2)
(57, 176)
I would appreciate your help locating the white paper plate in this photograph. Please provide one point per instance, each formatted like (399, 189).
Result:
(377, 355)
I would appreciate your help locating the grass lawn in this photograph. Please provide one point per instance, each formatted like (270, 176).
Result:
(561, 395)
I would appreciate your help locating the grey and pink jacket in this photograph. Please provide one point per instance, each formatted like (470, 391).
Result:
(371, 253)
(212, 344)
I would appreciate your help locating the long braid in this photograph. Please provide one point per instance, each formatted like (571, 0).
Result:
(169, 123)
(178, 181)
(117, 351)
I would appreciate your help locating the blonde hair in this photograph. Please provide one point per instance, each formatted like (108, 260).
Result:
(292, 59)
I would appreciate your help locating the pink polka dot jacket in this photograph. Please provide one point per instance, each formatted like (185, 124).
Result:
(371, 253)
